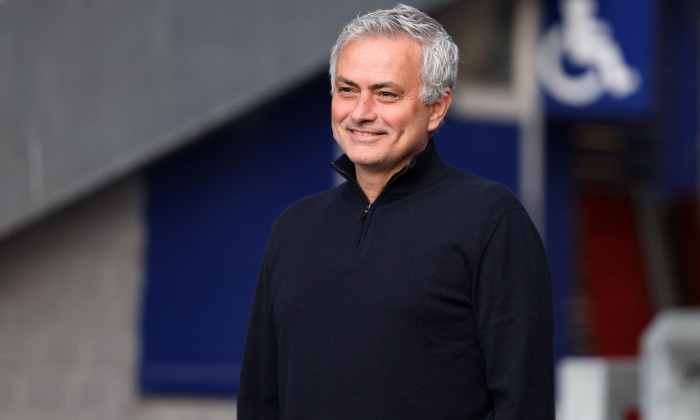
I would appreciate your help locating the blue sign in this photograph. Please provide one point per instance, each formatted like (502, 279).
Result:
(596, 58)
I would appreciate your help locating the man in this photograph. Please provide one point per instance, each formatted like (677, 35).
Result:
(414, 290)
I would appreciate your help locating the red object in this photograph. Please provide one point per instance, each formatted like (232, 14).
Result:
(632, 415)
(612, 273)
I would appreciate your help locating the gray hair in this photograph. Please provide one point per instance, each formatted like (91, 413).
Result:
(440, 53)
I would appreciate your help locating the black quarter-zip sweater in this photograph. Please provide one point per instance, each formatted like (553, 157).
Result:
(432, 303)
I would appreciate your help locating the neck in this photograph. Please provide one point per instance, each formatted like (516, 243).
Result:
(373, 179)
(372, 183)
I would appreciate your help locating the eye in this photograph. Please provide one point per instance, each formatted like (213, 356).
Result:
(344, 90)
(387, 97)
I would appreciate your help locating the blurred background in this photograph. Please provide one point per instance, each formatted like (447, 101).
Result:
(147, 147)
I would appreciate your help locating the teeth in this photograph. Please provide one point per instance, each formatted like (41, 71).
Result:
(364, 133)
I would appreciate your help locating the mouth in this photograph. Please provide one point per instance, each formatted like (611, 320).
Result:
(366, 134)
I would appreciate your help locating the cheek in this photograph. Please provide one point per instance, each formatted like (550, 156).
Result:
(339, 110)
(337, 117)
(399, 120)
(416, 120)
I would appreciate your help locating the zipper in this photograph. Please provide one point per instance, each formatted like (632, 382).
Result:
(366, 210)
(351, 179)
(363, 215)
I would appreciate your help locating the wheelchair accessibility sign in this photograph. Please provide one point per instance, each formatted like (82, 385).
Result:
(597, 59)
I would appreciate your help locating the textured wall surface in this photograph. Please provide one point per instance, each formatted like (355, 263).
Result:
(70, 290)
(92, 89)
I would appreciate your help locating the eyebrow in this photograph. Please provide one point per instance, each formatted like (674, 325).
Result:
(375, 86)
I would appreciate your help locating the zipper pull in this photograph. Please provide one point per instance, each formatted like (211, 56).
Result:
(365, 211)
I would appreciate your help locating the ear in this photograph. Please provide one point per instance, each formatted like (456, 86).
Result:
(438, 110)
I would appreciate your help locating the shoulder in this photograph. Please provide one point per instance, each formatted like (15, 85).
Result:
(478, 195)
(312, 204)
(502, 219)
(306, 210)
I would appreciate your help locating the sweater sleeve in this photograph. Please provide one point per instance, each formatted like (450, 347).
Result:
(513, 306)
(258, 391)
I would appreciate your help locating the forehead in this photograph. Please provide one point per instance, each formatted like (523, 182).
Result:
(399, 56)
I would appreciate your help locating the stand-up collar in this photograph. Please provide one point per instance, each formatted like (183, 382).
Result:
(424, 170)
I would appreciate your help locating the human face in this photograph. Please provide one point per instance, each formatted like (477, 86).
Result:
(377, 115)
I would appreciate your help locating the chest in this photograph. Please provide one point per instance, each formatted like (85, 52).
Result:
(401, 266)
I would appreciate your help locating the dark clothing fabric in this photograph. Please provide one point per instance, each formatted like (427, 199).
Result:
(433, 303)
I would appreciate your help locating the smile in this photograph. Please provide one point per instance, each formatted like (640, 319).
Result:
(365, 133)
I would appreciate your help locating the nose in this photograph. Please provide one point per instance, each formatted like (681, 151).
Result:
(364, 109)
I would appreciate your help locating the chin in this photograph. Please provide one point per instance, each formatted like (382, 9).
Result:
(362, 155)
(363, 160)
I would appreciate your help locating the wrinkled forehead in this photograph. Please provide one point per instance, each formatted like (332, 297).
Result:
(398, 54)
(389, 45)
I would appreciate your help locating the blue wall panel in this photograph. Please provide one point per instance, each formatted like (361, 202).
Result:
(489, 150)
(632, 26)
(680, 98)
(210, 210)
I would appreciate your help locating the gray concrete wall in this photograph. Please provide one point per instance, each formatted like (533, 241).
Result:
(70, 288)
(69, 293)
(91, 89)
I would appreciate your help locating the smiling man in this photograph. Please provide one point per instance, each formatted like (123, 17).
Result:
(414, 290)
(379, 117)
